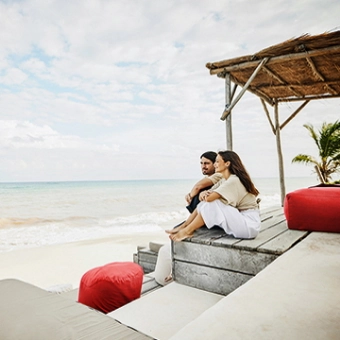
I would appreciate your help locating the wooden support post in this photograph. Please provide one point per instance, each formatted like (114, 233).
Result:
(244, 89)
(279, 153)
(229, 134)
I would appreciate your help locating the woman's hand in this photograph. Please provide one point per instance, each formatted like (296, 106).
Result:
(204, 194)
(209, 196)
(188, 198)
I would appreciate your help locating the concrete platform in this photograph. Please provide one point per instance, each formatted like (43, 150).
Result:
(162, 313)
(295, 297)
(219, 263)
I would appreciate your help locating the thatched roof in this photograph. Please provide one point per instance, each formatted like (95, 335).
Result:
(304, 68)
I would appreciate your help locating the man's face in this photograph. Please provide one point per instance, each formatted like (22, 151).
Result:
(207, 166)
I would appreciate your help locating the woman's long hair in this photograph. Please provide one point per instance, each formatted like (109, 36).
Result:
(237, 168)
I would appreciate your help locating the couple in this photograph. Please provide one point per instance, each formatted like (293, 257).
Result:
(230, 204)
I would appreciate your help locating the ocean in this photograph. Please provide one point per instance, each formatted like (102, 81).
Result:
(45, 213)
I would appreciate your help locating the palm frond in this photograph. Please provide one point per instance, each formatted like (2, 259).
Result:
(328, 141)
(312, 133)
(336, 159)
(304, 159)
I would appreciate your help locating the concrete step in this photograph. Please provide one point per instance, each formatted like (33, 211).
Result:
(296, 297)
(161, 313)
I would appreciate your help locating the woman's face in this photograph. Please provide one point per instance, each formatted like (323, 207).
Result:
(219, 164)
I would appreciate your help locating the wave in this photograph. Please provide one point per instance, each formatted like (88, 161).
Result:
(270, 200)
(10, 222)
(35, 232)
(6, 222)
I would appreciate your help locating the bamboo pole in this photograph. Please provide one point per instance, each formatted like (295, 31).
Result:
(279, 153)
(273, 60)
(316, 97)
(298, 85)
(244, 89)
(268, 115)
(279, 79)
(294, 114)
(257, 93)
(229, 132)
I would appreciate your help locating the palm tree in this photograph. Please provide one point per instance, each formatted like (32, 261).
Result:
(328, 143)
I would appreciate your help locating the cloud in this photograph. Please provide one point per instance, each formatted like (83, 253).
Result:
(88, 89)
(13, 76)
(25, 135)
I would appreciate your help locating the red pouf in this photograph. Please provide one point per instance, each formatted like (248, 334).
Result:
(111, 286)
(313, 209)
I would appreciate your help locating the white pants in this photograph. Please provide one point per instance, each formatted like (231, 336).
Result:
(240, 224)
(163, 265)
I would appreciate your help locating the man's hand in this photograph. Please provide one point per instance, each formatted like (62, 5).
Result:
(188, 198)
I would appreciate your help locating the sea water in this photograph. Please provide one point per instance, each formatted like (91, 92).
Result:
(44, 213)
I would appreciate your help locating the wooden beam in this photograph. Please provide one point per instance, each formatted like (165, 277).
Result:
(330, 89)
(314, 69)
(300, 85)
(258, 93)
(256, 71)
(275, 76)
(307, 98)
(233, 92)
(283, 82)
(274, 60)
(319, 75)
(294, 114)
(268, 115)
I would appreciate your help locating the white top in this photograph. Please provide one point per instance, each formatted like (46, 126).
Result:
(235, 194)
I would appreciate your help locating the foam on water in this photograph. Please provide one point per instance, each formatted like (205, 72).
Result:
(27, 234)
(39, 214)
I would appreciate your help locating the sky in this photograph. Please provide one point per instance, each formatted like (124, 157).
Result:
(119, 90)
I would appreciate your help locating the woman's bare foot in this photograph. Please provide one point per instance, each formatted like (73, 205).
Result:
(176, 229)
(172, 231)
(180, 236)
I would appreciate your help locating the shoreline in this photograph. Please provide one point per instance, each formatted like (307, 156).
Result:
(65, 263)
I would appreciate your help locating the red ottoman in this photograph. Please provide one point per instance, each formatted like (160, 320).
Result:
(111, 286)
(314, 209)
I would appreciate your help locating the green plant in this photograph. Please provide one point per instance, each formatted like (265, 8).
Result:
(327, 140)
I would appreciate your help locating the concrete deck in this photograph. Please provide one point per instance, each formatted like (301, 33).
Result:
(28, 312)
(161, 313)
(295, 297)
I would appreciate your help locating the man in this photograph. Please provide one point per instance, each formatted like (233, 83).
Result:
(163, 267)
(208, 169)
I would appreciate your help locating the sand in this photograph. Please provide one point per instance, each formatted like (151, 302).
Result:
(65, 264)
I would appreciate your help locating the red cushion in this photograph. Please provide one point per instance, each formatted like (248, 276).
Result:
(313, 209)
(111, 286)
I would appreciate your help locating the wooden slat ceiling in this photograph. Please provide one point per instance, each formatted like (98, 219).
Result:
(303, 68)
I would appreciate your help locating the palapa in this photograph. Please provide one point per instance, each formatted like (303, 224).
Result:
(300, 69)
(303, 68)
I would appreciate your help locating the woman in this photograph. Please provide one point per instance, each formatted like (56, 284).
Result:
(230, 204)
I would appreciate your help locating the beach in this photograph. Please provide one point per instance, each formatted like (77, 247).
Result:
(64, 264)
(52, 233)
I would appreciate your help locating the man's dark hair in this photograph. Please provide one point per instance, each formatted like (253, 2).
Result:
(211, 155)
